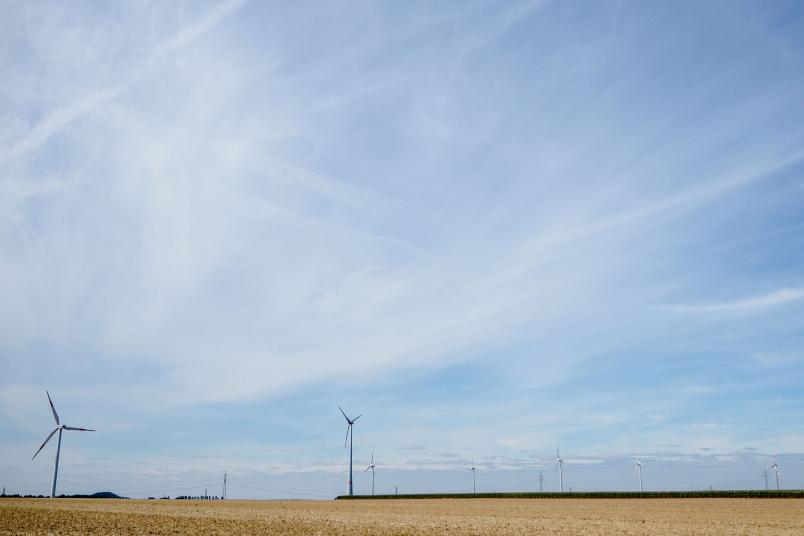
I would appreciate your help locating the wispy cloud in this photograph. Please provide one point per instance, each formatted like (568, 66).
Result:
(751, 305)
(55, 120)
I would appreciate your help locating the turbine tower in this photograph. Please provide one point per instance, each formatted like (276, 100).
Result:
(638, 471)
(765, 474)
(349, 434)
(371, 466)
(560, 467)
(59, 428)
(224, 484)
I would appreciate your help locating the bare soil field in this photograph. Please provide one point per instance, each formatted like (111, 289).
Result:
(406, 517)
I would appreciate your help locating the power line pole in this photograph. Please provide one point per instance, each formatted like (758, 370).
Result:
(541, 483)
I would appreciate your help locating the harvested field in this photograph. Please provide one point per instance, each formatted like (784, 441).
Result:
(447, 516)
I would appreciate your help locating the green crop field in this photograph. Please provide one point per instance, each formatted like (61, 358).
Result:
(725, 494)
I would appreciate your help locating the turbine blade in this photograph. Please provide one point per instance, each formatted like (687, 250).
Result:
(345, 441)
(344, 414)
(45, 443)
(356, 418)
(79, 429)
(53, 408)
(372, 457)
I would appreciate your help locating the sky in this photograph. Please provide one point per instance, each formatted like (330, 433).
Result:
(491, 228)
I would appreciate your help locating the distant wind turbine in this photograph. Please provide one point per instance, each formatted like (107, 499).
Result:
(474, 481)
(349, 434)
(371, 466)
(638, 471)
(775, 468)
(59, 428)
(560, 467)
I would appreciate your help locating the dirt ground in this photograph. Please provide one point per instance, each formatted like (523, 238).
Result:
(431, 516)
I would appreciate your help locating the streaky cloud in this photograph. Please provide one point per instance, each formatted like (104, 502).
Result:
(56, 120)
(750, 305)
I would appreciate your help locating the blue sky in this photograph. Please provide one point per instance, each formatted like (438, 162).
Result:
(491, 228)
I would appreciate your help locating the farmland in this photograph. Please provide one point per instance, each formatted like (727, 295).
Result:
(445, 516)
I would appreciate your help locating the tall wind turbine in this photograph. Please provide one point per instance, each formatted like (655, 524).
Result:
(371, 466)
(560, 467)
(59, 428)
(349, 434)
(638, 471)
(775, 468)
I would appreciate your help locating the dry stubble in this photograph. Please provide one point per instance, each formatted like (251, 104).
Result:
(431, 516)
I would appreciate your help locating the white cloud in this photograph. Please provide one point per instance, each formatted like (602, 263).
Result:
(751, 305)
(56, 120)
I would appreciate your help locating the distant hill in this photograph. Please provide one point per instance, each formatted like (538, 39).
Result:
(105, 495)
(98, 495)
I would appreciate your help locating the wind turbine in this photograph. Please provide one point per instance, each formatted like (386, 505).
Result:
(638, 471)
(59, 428)
(371, 466)
(474, 481)
(775, 468)
(350, 423)
(560, 467)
